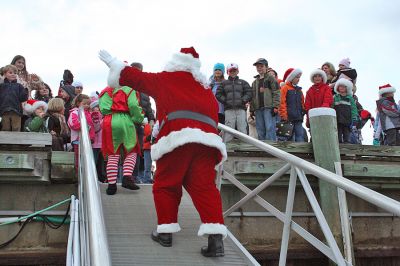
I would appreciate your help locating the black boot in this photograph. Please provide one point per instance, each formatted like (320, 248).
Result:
(215, 247)
(112, 189)
(165, 239)
(127, 182)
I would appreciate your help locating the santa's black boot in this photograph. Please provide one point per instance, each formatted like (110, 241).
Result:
(215, 247)
(112, 189)
(164, 239)
(127, 182)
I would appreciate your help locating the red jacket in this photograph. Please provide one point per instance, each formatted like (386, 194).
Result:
(319, 95)
(147, 137)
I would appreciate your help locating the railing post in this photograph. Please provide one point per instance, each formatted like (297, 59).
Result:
(326, 152)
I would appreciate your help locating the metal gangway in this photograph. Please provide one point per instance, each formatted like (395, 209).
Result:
(116, 230)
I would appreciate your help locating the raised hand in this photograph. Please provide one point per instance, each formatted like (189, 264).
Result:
(106, 57)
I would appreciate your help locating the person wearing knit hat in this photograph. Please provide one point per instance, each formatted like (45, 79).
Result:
(292, 103)
(67, 93)
(78, 87)
(346, 109)
(389, 114)
(215, 81)
(319, 94)
(344, 63)
(188, 140)
(266, 101)
(36, 110)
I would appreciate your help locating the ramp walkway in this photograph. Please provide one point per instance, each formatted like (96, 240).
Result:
(130, 217)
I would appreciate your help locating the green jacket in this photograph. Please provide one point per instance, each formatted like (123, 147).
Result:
(35, 124)
(272, 94)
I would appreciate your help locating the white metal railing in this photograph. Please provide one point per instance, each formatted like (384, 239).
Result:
(73, 246)
(94, 248)
(297, 167)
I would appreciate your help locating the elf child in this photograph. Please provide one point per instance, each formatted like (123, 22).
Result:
(36, 110)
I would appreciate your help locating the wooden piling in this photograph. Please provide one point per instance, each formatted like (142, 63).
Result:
(326, 152)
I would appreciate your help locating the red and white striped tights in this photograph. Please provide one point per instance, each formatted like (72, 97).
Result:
(112, 166)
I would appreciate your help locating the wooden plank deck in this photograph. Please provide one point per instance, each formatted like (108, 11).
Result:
(130, 217)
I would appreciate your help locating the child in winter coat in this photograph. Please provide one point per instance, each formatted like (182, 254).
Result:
(319, 94)
(97, 119)
(36, 110)
(346, 109)
(74, 123)
(292, 103)
(12, 95)
(56, 124)
(389, 115)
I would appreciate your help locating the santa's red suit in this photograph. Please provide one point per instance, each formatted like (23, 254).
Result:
(188, 145)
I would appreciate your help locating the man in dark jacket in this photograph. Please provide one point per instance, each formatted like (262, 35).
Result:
(234, 93)
(144, 102)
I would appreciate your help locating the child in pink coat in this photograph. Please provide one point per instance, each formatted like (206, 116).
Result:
(74, 124)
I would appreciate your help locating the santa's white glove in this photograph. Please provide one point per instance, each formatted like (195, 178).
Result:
(115, 66)
(106, 57)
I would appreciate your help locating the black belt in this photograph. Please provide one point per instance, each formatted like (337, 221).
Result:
(183, 114)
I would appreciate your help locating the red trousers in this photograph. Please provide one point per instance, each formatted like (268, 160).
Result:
(191, 166)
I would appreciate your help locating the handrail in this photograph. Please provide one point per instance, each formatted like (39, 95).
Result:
(366, 194)
(92, 226)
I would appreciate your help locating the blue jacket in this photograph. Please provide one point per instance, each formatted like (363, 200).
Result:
(12, 95)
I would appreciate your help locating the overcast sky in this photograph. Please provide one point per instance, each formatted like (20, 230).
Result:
(55, 35)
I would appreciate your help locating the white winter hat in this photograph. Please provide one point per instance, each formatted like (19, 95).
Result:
(344, 82)
(77, 84)
(318, 72)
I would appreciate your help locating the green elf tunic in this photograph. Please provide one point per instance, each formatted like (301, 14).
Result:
(121, 110)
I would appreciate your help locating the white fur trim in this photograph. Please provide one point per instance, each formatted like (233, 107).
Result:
(282, 84)
(321, 111)
(386, 90)
(212, 229)
(187, 63)
(321, 72)
(184, 136)
(345, 82)
(116, 67)
(168, 228)
(30, 109)
(293, 74)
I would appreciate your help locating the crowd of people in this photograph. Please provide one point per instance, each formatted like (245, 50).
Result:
(268, 109)
(274, 109)
(27, 104)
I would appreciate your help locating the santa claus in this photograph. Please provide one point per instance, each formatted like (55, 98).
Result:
(188, 145)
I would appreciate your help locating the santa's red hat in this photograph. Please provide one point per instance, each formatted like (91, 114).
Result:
(187, 60)
(32, 105)
(291, 73)
(386, 89)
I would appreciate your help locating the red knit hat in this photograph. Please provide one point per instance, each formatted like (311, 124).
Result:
(386, 89)
(291, 73)
(191, 51)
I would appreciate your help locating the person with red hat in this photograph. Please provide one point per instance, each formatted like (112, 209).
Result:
(36, 110)
(188, 115)
(292, 107)
(389, 115)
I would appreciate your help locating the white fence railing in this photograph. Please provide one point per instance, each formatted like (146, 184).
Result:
(297, 167)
